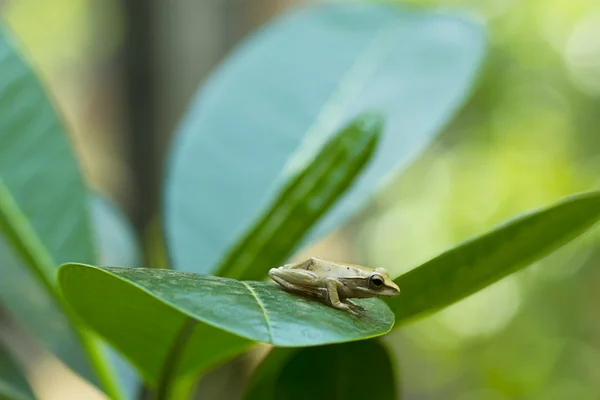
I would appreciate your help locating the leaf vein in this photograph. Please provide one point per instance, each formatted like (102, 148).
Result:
(262, 308)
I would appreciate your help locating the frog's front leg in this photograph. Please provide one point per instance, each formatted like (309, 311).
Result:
(333, 286)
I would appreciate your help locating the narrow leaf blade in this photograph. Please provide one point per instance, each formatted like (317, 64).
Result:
(303, 200)
(486, 259)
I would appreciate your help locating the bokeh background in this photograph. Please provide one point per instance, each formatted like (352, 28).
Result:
(123, 72)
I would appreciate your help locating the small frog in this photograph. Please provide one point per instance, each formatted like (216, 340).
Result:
(335, 282)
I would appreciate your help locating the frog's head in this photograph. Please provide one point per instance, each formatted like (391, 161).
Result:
(380, 284)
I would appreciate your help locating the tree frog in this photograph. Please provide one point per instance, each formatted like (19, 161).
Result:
(335, 282)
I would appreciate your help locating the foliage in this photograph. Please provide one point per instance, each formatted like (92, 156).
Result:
(276, 151)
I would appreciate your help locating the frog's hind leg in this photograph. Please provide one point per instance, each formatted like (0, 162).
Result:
(298, 277)
(298, 281)
(303, 265)
(299, 289)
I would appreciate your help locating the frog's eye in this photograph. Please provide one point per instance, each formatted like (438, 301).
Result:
(376, 281)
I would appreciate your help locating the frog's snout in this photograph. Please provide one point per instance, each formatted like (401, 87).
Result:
(394, 290)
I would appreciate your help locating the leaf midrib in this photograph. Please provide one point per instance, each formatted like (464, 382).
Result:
(25, 240)
(167, 302)
(262, 308)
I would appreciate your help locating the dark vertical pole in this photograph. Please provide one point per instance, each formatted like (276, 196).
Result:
(139, 86)
(141, 135)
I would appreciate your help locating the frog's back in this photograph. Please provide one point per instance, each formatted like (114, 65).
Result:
(325, 268)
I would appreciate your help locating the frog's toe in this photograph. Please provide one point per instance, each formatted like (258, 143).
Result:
(355, 306)
(345, 307)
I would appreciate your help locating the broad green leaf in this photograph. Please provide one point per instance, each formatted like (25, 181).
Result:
(13, 385)
(488, 258)
(289, 87)
(150, 315)
(352, 371)
(27, 301)
(320, 181)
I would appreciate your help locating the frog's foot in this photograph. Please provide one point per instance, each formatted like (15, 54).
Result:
(354, 306)
(345, 307)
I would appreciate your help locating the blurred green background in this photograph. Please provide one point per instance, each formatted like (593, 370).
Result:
(124, 71)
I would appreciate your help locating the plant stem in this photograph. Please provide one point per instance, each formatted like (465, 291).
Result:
(104, 371)
(165, 385)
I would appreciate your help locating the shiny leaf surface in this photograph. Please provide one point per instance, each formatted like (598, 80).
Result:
(143, 312)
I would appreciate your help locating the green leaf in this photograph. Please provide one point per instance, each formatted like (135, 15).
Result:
(299, 80)
(321, 180)
(150, 315)
(488, 258)
(359, 370)
(30, 303)
(37, 166)
(13, 385)
(44, 203)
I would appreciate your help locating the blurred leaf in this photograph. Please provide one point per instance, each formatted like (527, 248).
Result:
(13, 385)
(37, 166)
(150, 315)
(486, 259)
(359, 370)
(116, 241)
(29, 303)
(264, 378)
(297, 81)
(303, 200)
(44, 209)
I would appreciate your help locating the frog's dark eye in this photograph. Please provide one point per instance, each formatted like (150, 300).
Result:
(376, 281)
